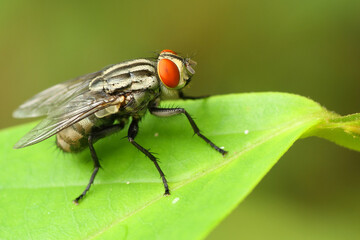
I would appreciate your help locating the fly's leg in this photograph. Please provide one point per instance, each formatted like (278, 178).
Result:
(133, 130)
(96, 169)
(93, 137)
(167, 112)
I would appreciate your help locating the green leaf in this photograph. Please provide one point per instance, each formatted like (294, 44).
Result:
(344, 131)
(38, 183)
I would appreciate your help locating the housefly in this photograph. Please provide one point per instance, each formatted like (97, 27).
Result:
(88, 108)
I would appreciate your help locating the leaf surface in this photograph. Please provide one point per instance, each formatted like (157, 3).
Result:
(38, 183)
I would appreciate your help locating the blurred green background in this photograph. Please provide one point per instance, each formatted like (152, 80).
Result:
(311, 48)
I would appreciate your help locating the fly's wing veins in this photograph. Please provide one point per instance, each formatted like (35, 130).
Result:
(50, 99)
(64, 116)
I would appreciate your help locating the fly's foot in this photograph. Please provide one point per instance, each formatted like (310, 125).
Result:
(223, 152)
(219, 149)
(167, 192)
(76, 200)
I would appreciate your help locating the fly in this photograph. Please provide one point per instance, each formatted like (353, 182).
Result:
(88, 108)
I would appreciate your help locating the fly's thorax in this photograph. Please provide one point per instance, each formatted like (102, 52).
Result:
(144, 81)
(135, 83)
(129, 76)
(139, 103)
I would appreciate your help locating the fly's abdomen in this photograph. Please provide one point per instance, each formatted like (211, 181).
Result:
(75, 137)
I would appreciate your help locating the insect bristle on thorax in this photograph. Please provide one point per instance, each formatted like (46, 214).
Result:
(83, 110)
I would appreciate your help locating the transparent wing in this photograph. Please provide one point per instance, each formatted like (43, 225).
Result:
(50, 99)
(61, 117)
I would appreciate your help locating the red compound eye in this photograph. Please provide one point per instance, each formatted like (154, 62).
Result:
(168, 51)
(169, 73)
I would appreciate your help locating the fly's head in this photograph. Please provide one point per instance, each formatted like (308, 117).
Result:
(174, 71)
